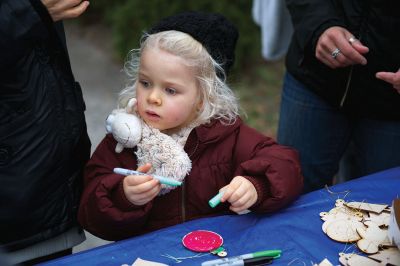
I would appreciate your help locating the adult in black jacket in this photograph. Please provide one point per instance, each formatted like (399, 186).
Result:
(342, 86)
(43, 139)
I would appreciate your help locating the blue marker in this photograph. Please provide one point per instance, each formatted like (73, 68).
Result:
(249, 262)
(163, 180)
(216, 199)
(242, 259)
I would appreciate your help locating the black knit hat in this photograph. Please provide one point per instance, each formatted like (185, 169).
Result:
(217, 34)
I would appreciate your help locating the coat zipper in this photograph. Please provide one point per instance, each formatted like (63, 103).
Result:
(184, 188)
(366, 16)
(183, 203)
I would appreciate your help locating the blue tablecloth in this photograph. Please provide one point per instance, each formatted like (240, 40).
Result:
(295, 230)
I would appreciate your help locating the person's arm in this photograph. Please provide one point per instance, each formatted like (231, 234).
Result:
(320, 30)
(310, 19)
(274, 170)
(20, 28)
(104, 209)
(65, 9)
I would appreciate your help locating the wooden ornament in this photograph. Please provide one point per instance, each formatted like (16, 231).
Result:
(339, 202)
(394, 223)
(324, 262)
(381, 219)
(389, 256)
(377, 208)
(344, 230)
(352, 259)
(341, 207)
(372, 238)
(330, 218)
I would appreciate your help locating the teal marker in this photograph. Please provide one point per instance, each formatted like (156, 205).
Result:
(162, 179)
(216, 200)
(274, 253)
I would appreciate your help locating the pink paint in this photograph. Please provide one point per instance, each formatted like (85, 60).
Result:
(202, 241)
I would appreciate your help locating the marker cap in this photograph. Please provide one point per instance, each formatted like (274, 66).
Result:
(258, 261)
(268, 253)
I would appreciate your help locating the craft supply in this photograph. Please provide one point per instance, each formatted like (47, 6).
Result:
(142, 262)
(162, 179)
(366, 224)
(248, 262)
(372, 238)
(180, 259)
(220, 252)
(390, 256)
(394, 223)
(352, 259)
(202, 241)
(216, 199)
(324, 262)
(377, 208)
(274, 254)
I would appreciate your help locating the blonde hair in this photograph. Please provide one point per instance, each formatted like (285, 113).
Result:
(219, 101)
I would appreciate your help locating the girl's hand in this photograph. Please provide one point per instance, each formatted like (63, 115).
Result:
(140, 189)
(390, 77)
(64, 9)
(240, 193)
(337, 47)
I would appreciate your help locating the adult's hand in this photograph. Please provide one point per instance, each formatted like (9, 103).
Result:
(65, 9)
(390, 77)
(337, 47)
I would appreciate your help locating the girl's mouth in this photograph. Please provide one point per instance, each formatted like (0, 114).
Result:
(152, 115)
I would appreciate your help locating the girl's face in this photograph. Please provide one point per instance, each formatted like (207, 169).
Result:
(167, 92)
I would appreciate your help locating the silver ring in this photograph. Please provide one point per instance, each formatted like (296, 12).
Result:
(352, 39)
(335, 53)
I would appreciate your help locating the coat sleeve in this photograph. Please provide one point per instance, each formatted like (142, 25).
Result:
(104, 210)
(273, 169)
(311, 18)
(20, 28)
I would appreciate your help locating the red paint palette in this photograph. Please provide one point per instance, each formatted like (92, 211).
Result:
(202, 241)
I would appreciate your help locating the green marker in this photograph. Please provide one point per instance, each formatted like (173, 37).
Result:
(274, 253)
(216, 199)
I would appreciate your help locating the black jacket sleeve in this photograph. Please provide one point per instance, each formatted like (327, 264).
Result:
(20, 28)
(311, 18)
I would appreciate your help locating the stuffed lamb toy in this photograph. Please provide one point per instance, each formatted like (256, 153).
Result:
(125, 126)
(165, 153)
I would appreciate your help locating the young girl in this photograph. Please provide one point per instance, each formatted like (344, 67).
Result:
(178, 78)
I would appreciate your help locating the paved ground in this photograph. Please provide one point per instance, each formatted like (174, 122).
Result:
(101, 79)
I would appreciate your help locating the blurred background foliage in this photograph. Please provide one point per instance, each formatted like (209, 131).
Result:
(256, 82)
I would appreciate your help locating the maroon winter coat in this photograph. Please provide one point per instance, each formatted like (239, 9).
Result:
(218, 154)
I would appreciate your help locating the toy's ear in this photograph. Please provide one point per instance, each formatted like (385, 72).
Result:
(119, 148)
(130, 107)
(109, 121)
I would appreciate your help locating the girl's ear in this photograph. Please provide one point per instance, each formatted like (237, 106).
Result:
(199, 107)
(200, 103)
(131, 106)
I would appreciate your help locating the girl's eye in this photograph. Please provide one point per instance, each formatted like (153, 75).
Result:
(170, 91)
(144, 83)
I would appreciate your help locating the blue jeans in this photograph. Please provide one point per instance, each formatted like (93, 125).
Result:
(322, 135)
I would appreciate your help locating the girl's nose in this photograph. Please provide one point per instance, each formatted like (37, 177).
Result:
(154, 97)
